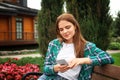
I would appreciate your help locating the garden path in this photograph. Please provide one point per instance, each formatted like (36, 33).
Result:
(113, 51)
(38, 55)
(21, 56)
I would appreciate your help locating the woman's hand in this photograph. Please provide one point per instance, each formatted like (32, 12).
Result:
(78, 61)
(61, 68)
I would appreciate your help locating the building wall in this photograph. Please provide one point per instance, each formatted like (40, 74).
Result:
(3, 28)
(8, 28)
(28, 27)
(13, 27)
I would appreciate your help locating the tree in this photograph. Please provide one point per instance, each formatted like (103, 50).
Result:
(105, 21)
(94, 19)
(46, 22)
(117, 25)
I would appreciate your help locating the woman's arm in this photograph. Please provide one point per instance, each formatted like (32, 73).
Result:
(98, 56)
(93, 56)
(49, 60)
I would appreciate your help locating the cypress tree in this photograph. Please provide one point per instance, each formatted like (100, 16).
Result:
(117, 25)
(105, 21)
(50, 9)
(94, 19)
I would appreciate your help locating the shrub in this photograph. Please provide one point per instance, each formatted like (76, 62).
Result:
(13, 69)
(114, 46)
(25, 60)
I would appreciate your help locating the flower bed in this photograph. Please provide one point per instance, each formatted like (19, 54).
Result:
(11, 71)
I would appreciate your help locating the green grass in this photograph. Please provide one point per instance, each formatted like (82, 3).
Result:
(116, 57)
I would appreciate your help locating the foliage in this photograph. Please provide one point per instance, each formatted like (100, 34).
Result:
(114, 46)
(116, 57)
(23, 61)
(11, 71)
(73, 7)
(46, 22)
(115, 39)
(113, 29)
(117, 25)
(89, 29)
(94, 19)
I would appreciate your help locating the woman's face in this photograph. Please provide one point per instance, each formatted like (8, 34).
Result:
(67, 30)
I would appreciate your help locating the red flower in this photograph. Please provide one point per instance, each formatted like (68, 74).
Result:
(11, 71)
(9, 77)
(15, 59)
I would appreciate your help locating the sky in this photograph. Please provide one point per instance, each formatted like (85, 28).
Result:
(35, 4)
(114, 6)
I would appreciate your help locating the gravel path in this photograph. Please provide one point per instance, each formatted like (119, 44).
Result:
(21, 56)
(38, 55)
(113, 51)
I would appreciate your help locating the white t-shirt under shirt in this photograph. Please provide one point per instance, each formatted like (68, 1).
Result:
(67, 53)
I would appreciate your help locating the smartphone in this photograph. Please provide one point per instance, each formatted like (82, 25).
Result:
(62, 62)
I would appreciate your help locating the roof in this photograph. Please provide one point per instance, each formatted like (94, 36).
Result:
(11, 9)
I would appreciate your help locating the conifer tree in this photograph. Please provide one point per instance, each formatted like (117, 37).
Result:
(46, 22)
(117, 25)
(94, 19)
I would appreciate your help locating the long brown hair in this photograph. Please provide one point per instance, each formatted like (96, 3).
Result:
(78, 40)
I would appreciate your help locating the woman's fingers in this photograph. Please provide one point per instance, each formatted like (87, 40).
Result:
(75, 62)
(64, 68)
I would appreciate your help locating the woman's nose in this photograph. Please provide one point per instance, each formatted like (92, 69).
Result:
(64, 30)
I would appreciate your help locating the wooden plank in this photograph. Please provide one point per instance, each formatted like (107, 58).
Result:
(111, 71)
(99, 77)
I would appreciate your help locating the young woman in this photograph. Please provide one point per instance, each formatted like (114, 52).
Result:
(80, 54)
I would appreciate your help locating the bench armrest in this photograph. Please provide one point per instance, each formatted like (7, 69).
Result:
(31, 73)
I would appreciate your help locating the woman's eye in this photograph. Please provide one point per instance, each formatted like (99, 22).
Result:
(60, 29)
(67, 27)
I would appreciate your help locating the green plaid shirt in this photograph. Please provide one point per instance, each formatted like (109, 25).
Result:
(98, 57)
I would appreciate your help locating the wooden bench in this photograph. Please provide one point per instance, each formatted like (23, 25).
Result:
(106, 72)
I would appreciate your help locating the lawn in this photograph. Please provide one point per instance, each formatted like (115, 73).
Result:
(116, 57)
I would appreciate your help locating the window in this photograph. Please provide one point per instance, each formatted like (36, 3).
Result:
(19, 28)
(35, 29)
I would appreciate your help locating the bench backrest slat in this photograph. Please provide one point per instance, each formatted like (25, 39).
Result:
(106, 72)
